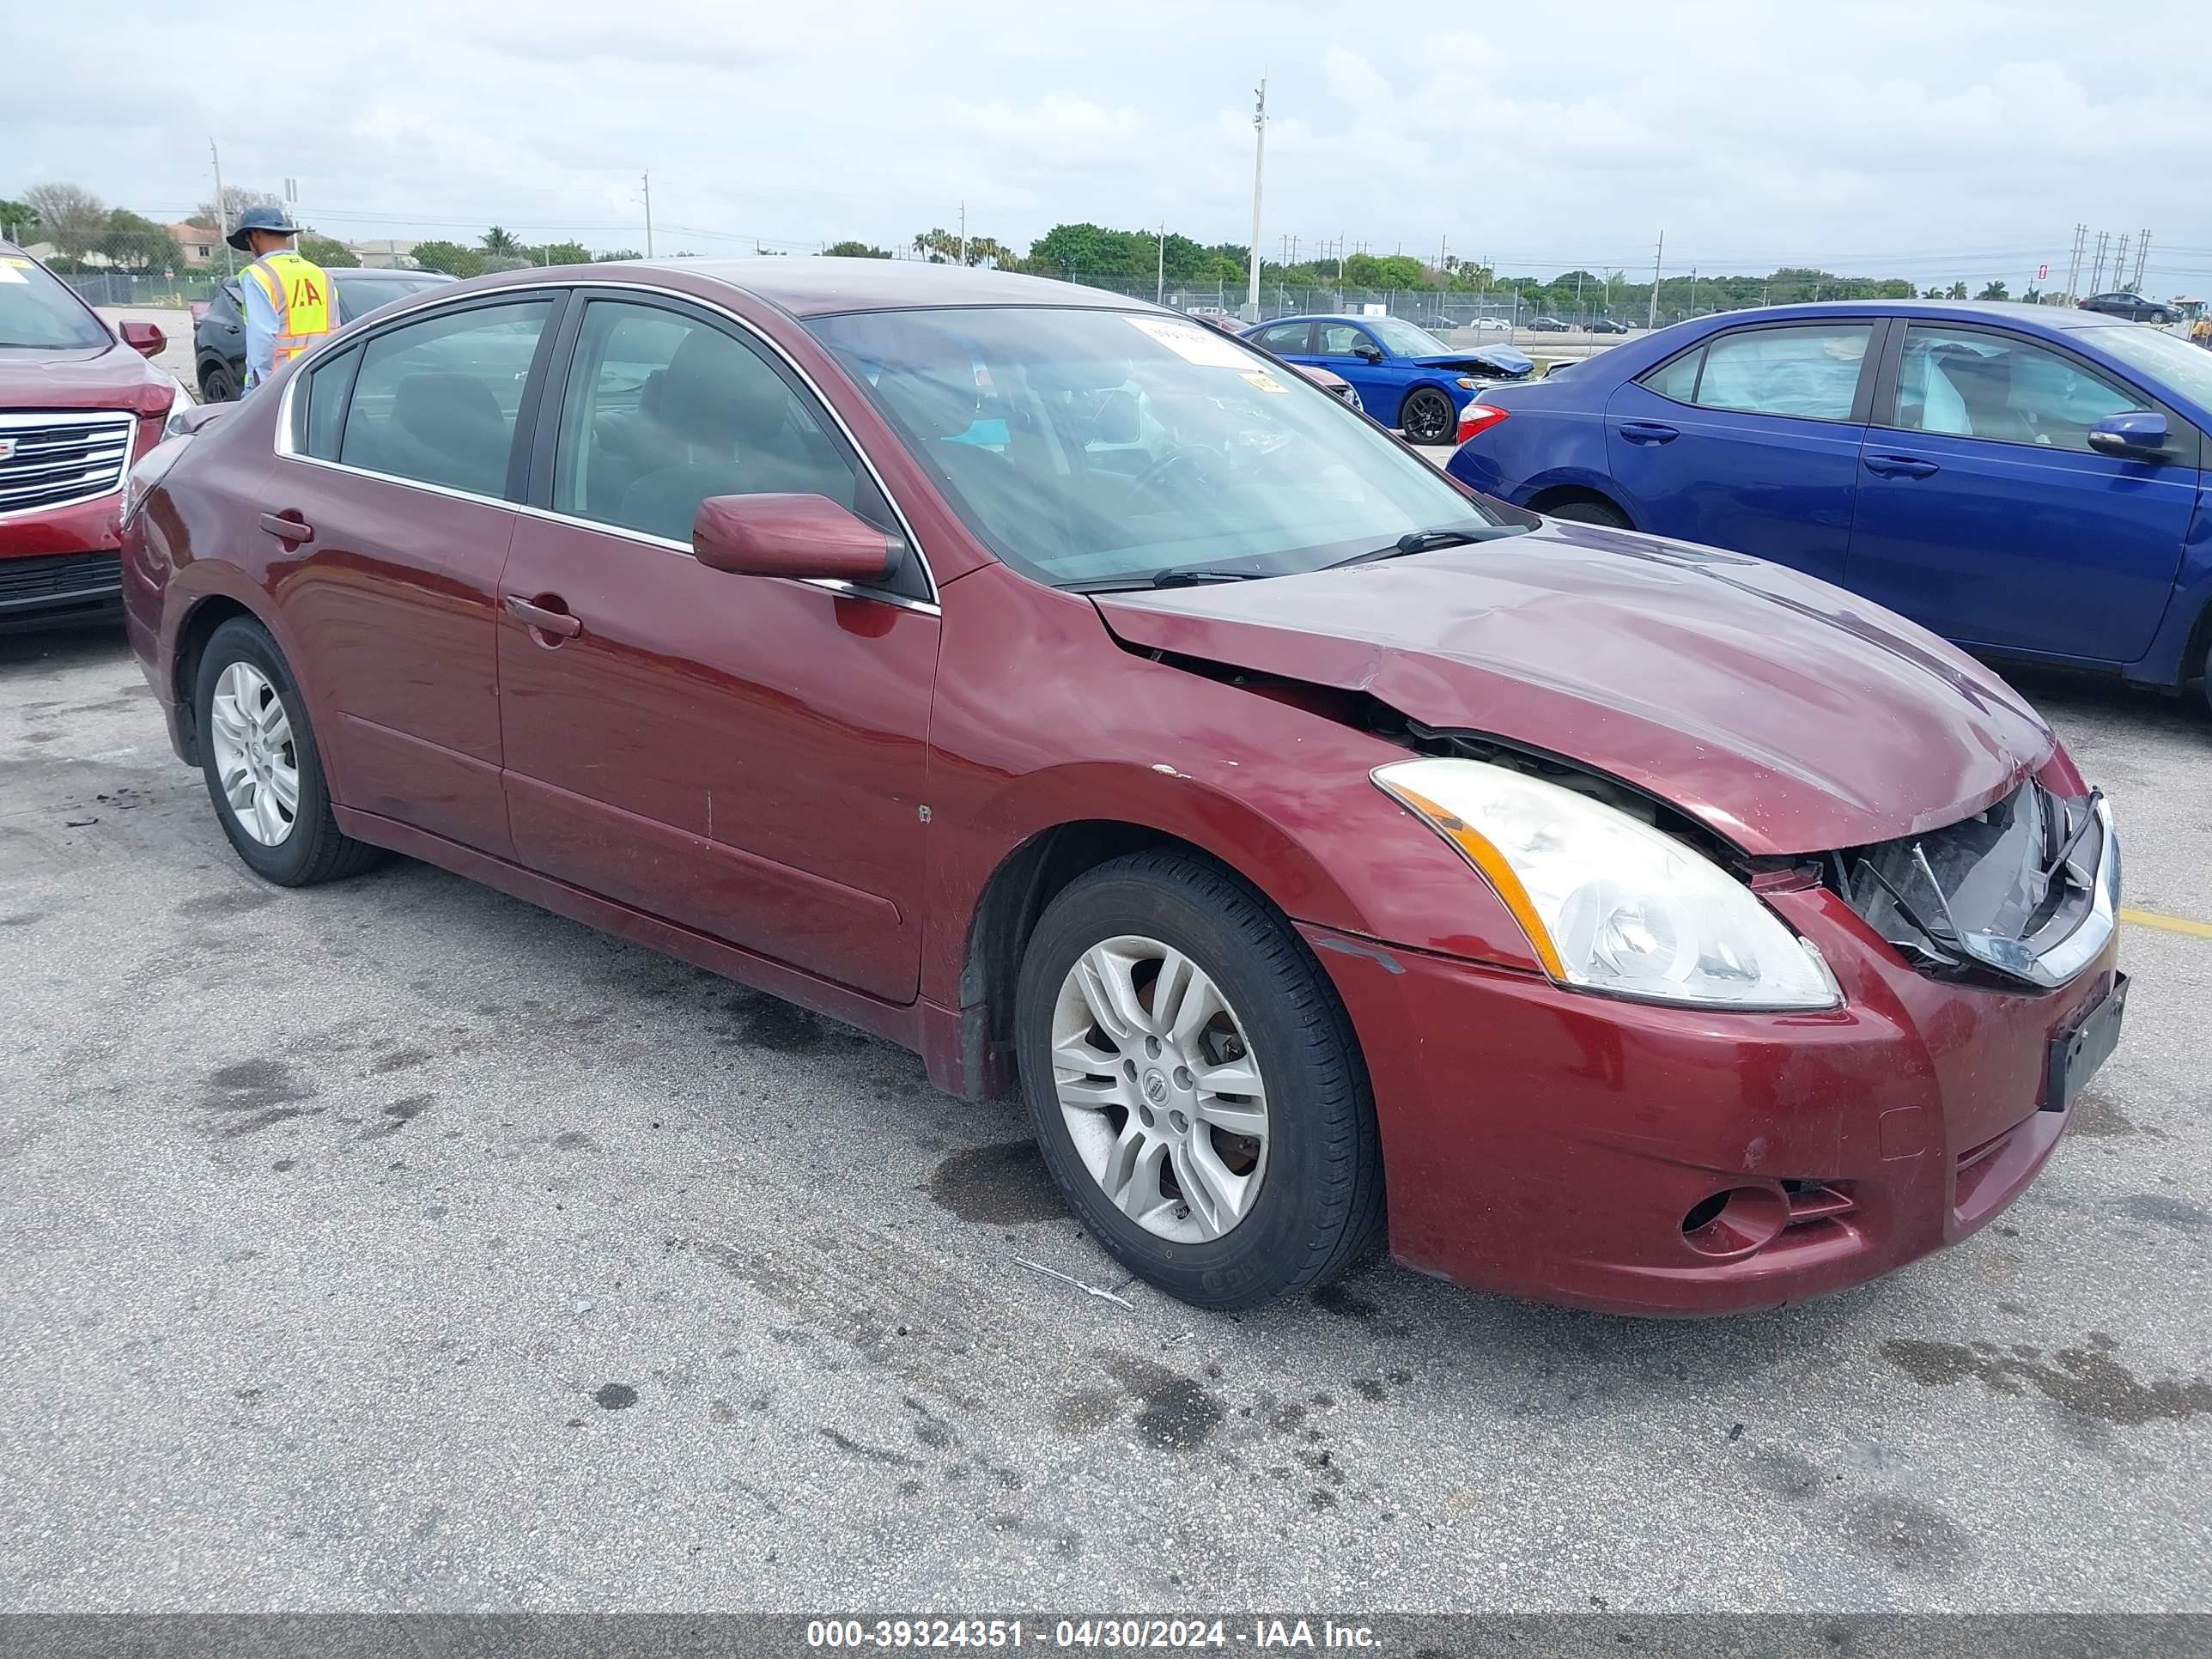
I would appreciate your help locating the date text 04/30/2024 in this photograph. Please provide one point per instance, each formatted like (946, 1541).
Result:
(1099, 1635)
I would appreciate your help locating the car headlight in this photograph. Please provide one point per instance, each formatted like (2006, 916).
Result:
(180, 406)
(1609, 904)
(1468, 385)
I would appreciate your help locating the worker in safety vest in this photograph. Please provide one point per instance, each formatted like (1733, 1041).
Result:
(288, 298)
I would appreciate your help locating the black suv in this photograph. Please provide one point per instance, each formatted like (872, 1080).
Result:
(2133, 307)
(219, 334)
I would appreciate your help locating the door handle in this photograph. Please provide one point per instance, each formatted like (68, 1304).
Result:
(288, 529)
(1648, 432)
(544, 618)
(1900, 467)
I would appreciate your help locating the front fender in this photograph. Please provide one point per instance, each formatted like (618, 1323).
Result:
(1274, 786)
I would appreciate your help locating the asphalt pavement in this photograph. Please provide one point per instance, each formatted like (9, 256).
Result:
(396, 1245)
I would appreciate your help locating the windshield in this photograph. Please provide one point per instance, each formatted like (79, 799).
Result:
(1404, 340)
(2170, 360)
(36, 310)
(1085, 447)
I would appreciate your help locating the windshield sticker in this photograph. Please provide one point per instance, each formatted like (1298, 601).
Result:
(1194, 342)
(1263, 380)
(11, 270)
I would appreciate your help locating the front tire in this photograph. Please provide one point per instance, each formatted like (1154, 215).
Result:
(263, 772)
(1195, 1084)
(1427, 417)
(218, 384)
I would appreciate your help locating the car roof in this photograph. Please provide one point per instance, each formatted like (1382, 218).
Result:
(348, 273)
(816, 286)
(1954, 311)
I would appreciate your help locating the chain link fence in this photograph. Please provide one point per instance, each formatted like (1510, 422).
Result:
(1431, 308)
(121, 288)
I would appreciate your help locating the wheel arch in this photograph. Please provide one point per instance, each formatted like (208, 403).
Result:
(194, 629)
(1014, 897)
(1551, 497)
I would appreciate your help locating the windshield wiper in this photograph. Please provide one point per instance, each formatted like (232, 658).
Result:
(1174, 576)
(1423, 541)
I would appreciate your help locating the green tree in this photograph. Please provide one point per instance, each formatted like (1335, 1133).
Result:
(72, 219)
(615, 255)
(558, 253)
(1993, 291)
(327, 250)
(501, 242)
(134, 242)
(449, 257)
(19, 221)
(1957, 291)
(856, 251)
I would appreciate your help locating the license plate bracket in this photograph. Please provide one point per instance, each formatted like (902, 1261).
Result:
(2077, 1052)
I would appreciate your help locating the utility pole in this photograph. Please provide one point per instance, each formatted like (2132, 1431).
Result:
(1259, 167)
(648, 216)
(1160, 282)
(963, 233)
(2120, 263)
(2097, 264)
(221, 213)
(2074, 263)
(1652, 320)
(2142, 258)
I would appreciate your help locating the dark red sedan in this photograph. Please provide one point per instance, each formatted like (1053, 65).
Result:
(1058, 687)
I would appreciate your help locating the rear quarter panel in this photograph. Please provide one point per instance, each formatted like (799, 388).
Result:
(1553, 434)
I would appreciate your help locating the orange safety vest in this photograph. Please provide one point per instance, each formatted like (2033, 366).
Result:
(301, 292)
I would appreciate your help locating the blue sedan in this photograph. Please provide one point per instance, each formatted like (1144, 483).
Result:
(1405, 376)
(2027, 480)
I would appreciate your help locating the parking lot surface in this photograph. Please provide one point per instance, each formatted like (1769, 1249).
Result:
(397, 1245)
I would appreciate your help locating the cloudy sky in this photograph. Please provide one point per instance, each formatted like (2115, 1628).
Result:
(1940, 139)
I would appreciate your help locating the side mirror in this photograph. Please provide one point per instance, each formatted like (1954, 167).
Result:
(1369, 350)
(807, 536)
(144, 339)
(2134, 436)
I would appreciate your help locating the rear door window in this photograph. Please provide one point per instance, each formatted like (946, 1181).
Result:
(1284, 337)
(1809, 373)
(436, 401)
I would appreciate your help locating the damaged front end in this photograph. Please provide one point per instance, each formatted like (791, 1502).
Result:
(2027, 890)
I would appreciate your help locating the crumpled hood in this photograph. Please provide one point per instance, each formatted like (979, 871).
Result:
(1482, 360)
(1786, 715)
(83, 377)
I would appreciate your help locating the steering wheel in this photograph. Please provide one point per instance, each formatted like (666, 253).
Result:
(1200, 461)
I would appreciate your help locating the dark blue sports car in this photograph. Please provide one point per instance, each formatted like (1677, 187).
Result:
(2026, 481)
(1405, 376)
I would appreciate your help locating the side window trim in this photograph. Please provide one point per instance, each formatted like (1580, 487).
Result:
(541, 454)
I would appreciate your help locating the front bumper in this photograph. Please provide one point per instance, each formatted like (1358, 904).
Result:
(1544, 1142)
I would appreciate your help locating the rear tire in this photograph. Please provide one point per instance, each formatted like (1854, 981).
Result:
(1590, 512)
(1427, 417)
(257, 747)
(1295, 1149)
(218, 384)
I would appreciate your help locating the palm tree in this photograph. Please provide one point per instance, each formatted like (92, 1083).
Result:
(496, 240)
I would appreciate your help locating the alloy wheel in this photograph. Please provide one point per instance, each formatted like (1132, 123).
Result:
(257, 763)
(1159, 1088)
(1428, 417)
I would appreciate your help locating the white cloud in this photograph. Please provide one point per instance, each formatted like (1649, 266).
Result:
(1958, 141)
(1352, 78)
